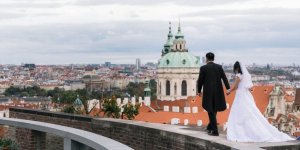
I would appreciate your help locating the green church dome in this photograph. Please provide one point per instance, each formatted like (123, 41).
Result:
(77, 102)
(178, 60)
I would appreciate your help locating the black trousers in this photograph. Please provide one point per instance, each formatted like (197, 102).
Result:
(212, 125)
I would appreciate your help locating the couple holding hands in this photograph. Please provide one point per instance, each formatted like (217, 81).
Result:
(245, 122)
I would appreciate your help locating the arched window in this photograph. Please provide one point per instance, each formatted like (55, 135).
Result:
(183, 88)
(180, 46)
(168, 88)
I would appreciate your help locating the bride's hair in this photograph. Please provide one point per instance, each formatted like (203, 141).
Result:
(237, 68)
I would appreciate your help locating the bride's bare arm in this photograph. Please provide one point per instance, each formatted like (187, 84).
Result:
(235, 84)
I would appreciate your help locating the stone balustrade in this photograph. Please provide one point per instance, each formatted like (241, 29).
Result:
(145, 135)
(73, 138)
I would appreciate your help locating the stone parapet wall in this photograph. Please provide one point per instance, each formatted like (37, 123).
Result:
(137, 137)
(141, 135)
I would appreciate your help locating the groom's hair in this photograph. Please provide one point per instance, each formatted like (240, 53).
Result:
(210, 56)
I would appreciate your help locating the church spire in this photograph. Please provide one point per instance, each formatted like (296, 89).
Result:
(179, 29)
(170, 35)
(179, 34)
(168, 45)
(179, 42)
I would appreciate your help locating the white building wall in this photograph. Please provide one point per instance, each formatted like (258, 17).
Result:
(177, 75)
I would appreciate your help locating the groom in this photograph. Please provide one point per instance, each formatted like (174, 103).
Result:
(213, 99)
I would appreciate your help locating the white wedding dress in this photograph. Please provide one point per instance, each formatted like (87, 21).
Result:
(246, 123)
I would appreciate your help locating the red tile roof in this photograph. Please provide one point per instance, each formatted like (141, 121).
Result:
(260, 94)
(296, 134)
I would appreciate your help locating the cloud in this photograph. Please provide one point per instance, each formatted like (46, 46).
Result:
(33, 3)
(152, 2)
(9, 15)
(92, 42)
(93, 31)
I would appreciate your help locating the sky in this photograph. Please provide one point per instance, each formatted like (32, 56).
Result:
(119, 31)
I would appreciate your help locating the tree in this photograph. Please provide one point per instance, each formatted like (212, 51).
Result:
(42, 93)
(130, 111)
(111, 108)
(153, 87)
(117, 92)
(136, 89)
(96, 95)
(68, 109)
(12, 91)
(24, 94)
(68, 97)
(55, 94)
(31, 91)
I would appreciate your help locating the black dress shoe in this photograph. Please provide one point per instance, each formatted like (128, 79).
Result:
(208, 127)
(214, 133)
(209, 131)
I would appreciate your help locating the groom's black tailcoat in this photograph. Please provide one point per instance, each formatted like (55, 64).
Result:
(210, 77)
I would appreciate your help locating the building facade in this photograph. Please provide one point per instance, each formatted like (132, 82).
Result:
(276, 102)
(138, 64)
(283, 109)
(178, 70)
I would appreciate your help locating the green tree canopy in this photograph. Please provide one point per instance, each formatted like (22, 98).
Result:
(111, 108)
(130, 111)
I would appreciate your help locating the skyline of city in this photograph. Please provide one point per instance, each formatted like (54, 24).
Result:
(88, 32)
(145, 63)
(137, 74)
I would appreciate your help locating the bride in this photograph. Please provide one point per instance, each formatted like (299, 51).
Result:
(245, 122)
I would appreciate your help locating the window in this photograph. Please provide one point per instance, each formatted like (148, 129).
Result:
(183, 61)
(183, 88)
(168, 88)
(168, 61)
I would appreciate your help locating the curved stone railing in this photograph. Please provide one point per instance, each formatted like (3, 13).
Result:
(145, 135)
(69, 134)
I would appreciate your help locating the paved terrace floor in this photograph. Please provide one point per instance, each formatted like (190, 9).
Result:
(199, 132)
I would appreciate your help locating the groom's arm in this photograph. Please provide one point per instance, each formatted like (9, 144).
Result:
(200, 80)
(224, 78)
